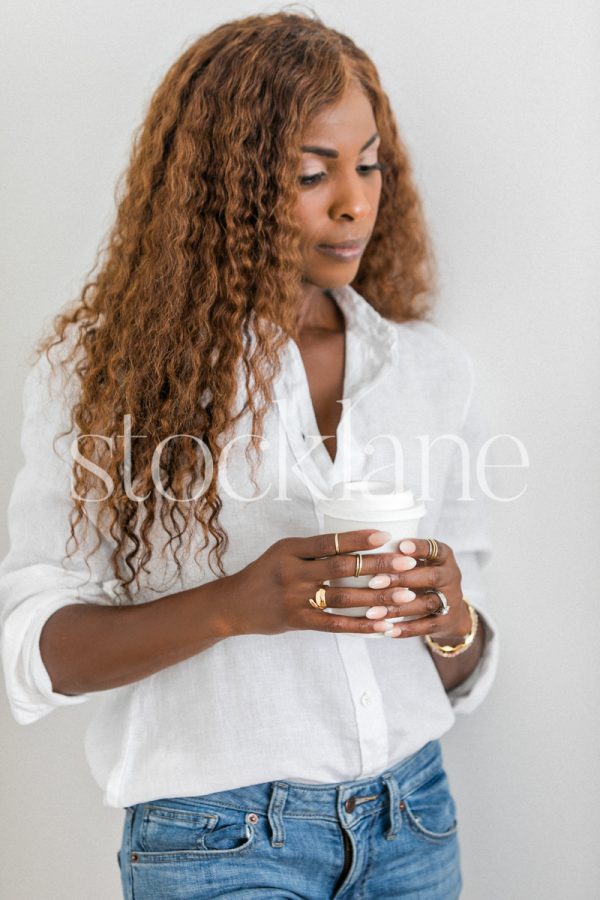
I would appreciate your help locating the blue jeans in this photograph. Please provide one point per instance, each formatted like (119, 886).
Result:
(388, 836)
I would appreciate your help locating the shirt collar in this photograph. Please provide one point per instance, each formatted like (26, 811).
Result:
(371, 342)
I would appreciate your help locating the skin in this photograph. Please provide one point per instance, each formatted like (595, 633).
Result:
(338, 200)
(95, 647)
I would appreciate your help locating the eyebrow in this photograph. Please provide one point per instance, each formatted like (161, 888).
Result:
(333, 154)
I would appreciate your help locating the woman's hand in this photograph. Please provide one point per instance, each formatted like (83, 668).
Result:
(407, 590)
(271, 595)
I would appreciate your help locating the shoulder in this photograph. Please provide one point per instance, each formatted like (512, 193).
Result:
(427, 337)
(51, 376)
(50, 389)
(438, 361)
(437, 348)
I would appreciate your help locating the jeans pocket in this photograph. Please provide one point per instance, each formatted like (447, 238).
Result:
(171, 831)
(430, 809)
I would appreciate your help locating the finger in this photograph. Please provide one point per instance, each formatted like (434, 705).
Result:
(418, 548)
(344, 565)
(318, 546)
(414, 628)
(422, 626)
(339, 597)
(452, 625)
(423, 605)
(376, 604)
(340, 624)
(418, 578)
(387, 580)
(381, 603)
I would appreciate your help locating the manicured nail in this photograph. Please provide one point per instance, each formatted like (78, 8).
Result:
(395, 632)
(407, 546)
(379, 581)
(403, 595)
(403, 563)
(384, 625)
(379, 537)
(376, 612)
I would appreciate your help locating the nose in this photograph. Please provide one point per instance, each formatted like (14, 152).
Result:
(351, 198)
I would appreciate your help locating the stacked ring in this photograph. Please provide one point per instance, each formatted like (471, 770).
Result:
(433, 549)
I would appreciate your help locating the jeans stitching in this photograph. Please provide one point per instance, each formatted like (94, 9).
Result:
(145, 857)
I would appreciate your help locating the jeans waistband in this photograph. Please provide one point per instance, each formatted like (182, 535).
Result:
(348, 801)
(345, 802)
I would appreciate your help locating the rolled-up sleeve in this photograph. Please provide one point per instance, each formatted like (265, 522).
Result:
(36, 578)
(463, 525)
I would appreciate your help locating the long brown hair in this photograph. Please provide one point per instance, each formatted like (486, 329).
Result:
(205, 244)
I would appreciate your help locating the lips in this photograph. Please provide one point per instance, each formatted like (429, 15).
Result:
(344, 250)
(356, 244)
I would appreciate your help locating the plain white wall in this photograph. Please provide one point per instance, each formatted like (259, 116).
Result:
(498, 102)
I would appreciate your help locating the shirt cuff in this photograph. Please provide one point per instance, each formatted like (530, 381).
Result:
(27, 680)
(468, 695)
(28, 683)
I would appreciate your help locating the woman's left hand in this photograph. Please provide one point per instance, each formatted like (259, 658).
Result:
(419, 575)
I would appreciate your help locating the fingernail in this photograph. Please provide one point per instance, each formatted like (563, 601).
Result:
(407, 546)
(394, 632)
(403, 563)
(379, 537)
(379, 581)
(384, 625)
(376, 612)
(403, 595)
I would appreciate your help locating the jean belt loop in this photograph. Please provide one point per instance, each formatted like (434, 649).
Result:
(395, 815)
(275, 812)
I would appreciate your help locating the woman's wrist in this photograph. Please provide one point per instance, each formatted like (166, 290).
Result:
(453, 670)
(450, 647)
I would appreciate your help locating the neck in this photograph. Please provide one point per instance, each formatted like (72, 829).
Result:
(319, 311)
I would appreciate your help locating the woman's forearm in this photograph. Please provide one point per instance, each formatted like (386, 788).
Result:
(91, 647)
(454, 671)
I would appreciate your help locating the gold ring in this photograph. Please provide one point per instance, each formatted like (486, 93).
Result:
(433, 549)
(337, 543)
(358, 565)
(320, 602)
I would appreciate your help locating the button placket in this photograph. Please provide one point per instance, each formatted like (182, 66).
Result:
(370, 718)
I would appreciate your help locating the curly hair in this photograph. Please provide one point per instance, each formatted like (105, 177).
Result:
(203, 248)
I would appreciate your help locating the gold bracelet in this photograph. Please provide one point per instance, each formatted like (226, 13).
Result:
(448, 650)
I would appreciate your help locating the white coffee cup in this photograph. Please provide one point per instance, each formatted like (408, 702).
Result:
(354, 505)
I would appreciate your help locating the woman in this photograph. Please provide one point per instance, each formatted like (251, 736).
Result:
(268, 270)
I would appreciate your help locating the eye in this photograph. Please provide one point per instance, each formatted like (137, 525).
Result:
(306, 180)
(364, 170)
(311, 179)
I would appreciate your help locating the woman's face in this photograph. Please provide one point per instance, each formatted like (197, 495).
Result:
(338, 189)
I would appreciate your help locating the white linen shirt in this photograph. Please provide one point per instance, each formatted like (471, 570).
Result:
(307, 706)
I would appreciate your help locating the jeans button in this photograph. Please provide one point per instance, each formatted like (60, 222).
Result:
(350, 804)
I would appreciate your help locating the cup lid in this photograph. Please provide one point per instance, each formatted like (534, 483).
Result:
(355, 499)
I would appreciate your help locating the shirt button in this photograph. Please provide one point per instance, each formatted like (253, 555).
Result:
(365, 699)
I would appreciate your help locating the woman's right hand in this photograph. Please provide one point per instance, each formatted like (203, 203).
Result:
(271, 594)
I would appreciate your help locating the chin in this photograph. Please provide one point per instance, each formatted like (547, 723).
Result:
(334, 280)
